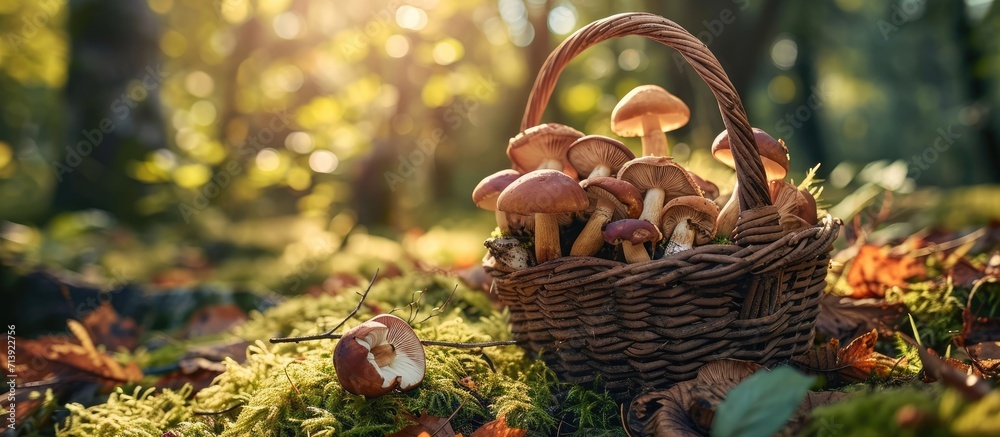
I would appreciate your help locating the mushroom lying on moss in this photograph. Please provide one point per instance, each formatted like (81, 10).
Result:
(379, 356)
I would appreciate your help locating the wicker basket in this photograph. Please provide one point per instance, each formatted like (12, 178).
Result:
(632, 327)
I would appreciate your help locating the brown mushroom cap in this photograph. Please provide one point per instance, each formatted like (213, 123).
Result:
(625, 197)
(592, 151)
(633, 231)
(543, 192)
(671, 112)
(486, 193)
(792, 201)
(699, 211)
(773, 153)
(659, 172)
(708, 189)
(531, 148)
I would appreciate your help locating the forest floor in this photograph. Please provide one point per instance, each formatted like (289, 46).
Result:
(150, 337)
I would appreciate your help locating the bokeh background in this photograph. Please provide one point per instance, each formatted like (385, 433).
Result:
(140, 135)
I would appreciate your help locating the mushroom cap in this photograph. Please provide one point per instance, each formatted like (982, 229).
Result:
(670, 111)
(631, 230)
(486, 193)
(543, 192)
(659, 172)
(792, 201)
(773, 153)
(700, 212)
(626, 198)
(588, 152)
(539, 143)
(356, 365)
(356, 372)
(708, 189)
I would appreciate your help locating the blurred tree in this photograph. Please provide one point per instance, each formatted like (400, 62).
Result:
(113, 112)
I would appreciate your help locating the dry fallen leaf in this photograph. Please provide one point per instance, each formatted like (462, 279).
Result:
(106, 327)
(874, 270)
(214, 319)
(72, 360)
(846, 318)
(853, 363)
(426, 426)
(950, 372)
(498, 428)
(687, 408)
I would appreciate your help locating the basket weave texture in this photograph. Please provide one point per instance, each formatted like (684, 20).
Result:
(634, 327)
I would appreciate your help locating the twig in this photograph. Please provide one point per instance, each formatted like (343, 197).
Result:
(437, 311)
(940, 247)
(447, 422)
(461, 345)
(223, 411)
(330, 333)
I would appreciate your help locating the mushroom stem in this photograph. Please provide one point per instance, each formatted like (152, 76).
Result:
(635, 253)
(682, 239)
(654, 141)
(651, 205)
(726, 222)
(502, 222)
(547, 237)
(384, 354)
(600, 171)
(591, 239)
(551, 164)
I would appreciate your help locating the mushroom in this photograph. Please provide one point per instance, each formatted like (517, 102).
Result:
(773, 154)
(379, 356)
(486, 193)
(596, 156)
(543, 147)
(545, 194)
(648, 111)
(708, 189)
(660, 179)
(615, 199)
(796, 208)
(632, 235)
(689, 221)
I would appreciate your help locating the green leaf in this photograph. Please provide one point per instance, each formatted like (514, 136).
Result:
(762, 404)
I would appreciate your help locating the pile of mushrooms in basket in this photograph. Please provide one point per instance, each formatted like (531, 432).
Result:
(570, 194)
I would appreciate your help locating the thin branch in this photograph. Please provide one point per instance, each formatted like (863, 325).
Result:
(330, 333)
(439, 310)
(461, 345)
(223, 411)
(940, 247)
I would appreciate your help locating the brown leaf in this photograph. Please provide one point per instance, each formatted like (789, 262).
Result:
(498, 428)
(980, 336)
(71, 360)
(687, 408)
(853, 363)
(844, 317)
(199, 372)
(874, 270)
(426, 426)
(106, 327)
(668, 412)
(971, 387)
(214, 319)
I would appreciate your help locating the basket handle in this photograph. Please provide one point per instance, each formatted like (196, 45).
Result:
(752, 191)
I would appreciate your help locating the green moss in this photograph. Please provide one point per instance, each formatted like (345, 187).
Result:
(292, 389)
(139, 413)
